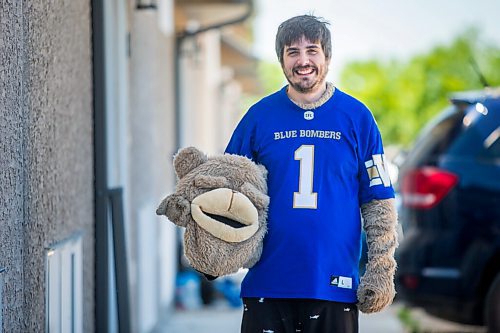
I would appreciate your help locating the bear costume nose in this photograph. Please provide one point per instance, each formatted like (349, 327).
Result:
(226, 214)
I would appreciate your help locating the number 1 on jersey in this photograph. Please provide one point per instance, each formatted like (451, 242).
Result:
(305, 197)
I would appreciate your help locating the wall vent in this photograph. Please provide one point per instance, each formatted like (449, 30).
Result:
(64, 299)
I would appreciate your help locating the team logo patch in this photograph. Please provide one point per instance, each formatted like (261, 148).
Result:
(341, 281)
(377, 171)
(308, 115)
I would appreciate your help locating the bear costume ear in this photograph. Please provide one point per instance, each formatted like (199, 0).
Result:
(187, 159)
(263, 170)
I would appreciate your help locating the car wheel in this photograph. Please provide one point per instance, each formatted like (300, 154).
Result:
(492, 314)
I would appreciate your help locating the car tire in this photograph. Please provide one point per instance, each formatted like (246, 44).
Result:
(492, 307)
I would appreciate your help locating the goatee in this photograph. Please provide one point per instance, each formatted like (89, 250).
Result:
(303, 86)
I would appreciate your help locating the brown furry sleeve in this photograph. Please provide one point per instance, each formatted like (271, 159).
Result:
(376, 289)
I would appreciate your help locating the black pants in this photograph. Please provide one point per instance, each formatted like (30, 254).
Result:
(273, 315)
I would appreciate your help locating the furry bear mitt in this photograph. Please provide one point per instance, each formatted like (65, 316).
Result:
(222, 202)
(376, 287)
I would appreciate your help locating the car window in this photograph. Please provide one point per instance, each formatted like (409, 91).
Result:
(492, 145)
(435, 138)
(479, 134)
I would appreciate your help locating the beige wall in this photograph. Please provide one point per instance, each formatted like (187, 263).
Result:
(152, 146)
(210, 96)
(208, 102)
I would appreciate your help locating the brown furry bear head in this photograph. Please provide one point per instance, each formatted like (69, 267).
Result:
(222, 202)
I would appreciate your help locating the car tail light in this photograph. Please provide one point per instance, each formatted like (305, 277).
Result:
(410, 281)
(425, 187)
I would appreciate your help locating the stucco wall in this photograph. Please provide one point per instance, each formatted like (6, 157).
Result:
(11, 163)
(46, 183)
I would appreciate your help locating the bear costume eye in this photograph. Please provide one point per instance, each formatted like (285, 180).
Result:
(210, 182)
(260, 200)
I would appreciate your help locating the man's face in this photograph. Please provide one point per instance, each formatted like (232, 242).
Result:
(305, 65)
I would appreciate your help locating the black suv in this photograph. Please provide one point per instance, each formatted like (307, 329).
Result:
(449, 182)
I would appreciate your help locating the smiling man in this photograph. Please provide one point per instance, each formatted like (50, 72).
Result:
(325, 161)
(305, 66)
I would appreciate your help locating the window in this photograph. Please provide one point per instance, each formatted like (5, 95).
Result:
(64, 287)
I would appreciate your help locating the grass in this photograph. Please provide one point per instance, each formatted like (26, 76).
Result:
(409, 323)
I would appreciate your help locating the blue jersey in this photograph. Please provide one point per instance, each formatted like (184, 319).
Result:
(323, 164)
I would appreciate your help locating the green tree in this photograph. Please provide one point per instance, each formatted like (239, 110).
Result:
(404, 95)
(270, 78)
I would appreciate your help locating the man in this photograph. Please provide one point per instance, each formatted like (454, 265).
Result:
(324, 155)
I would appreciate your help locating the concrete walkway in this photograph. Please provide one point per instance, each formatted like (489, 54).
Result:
(430, 324)
(227, 320)
(222, 319)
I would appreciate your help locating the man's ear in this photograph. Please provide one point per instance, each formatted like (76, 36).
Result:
(187, 159)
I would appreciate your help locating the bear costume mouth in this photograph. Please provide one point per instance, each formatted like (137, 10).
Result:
(226, 214)
(225, 220)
